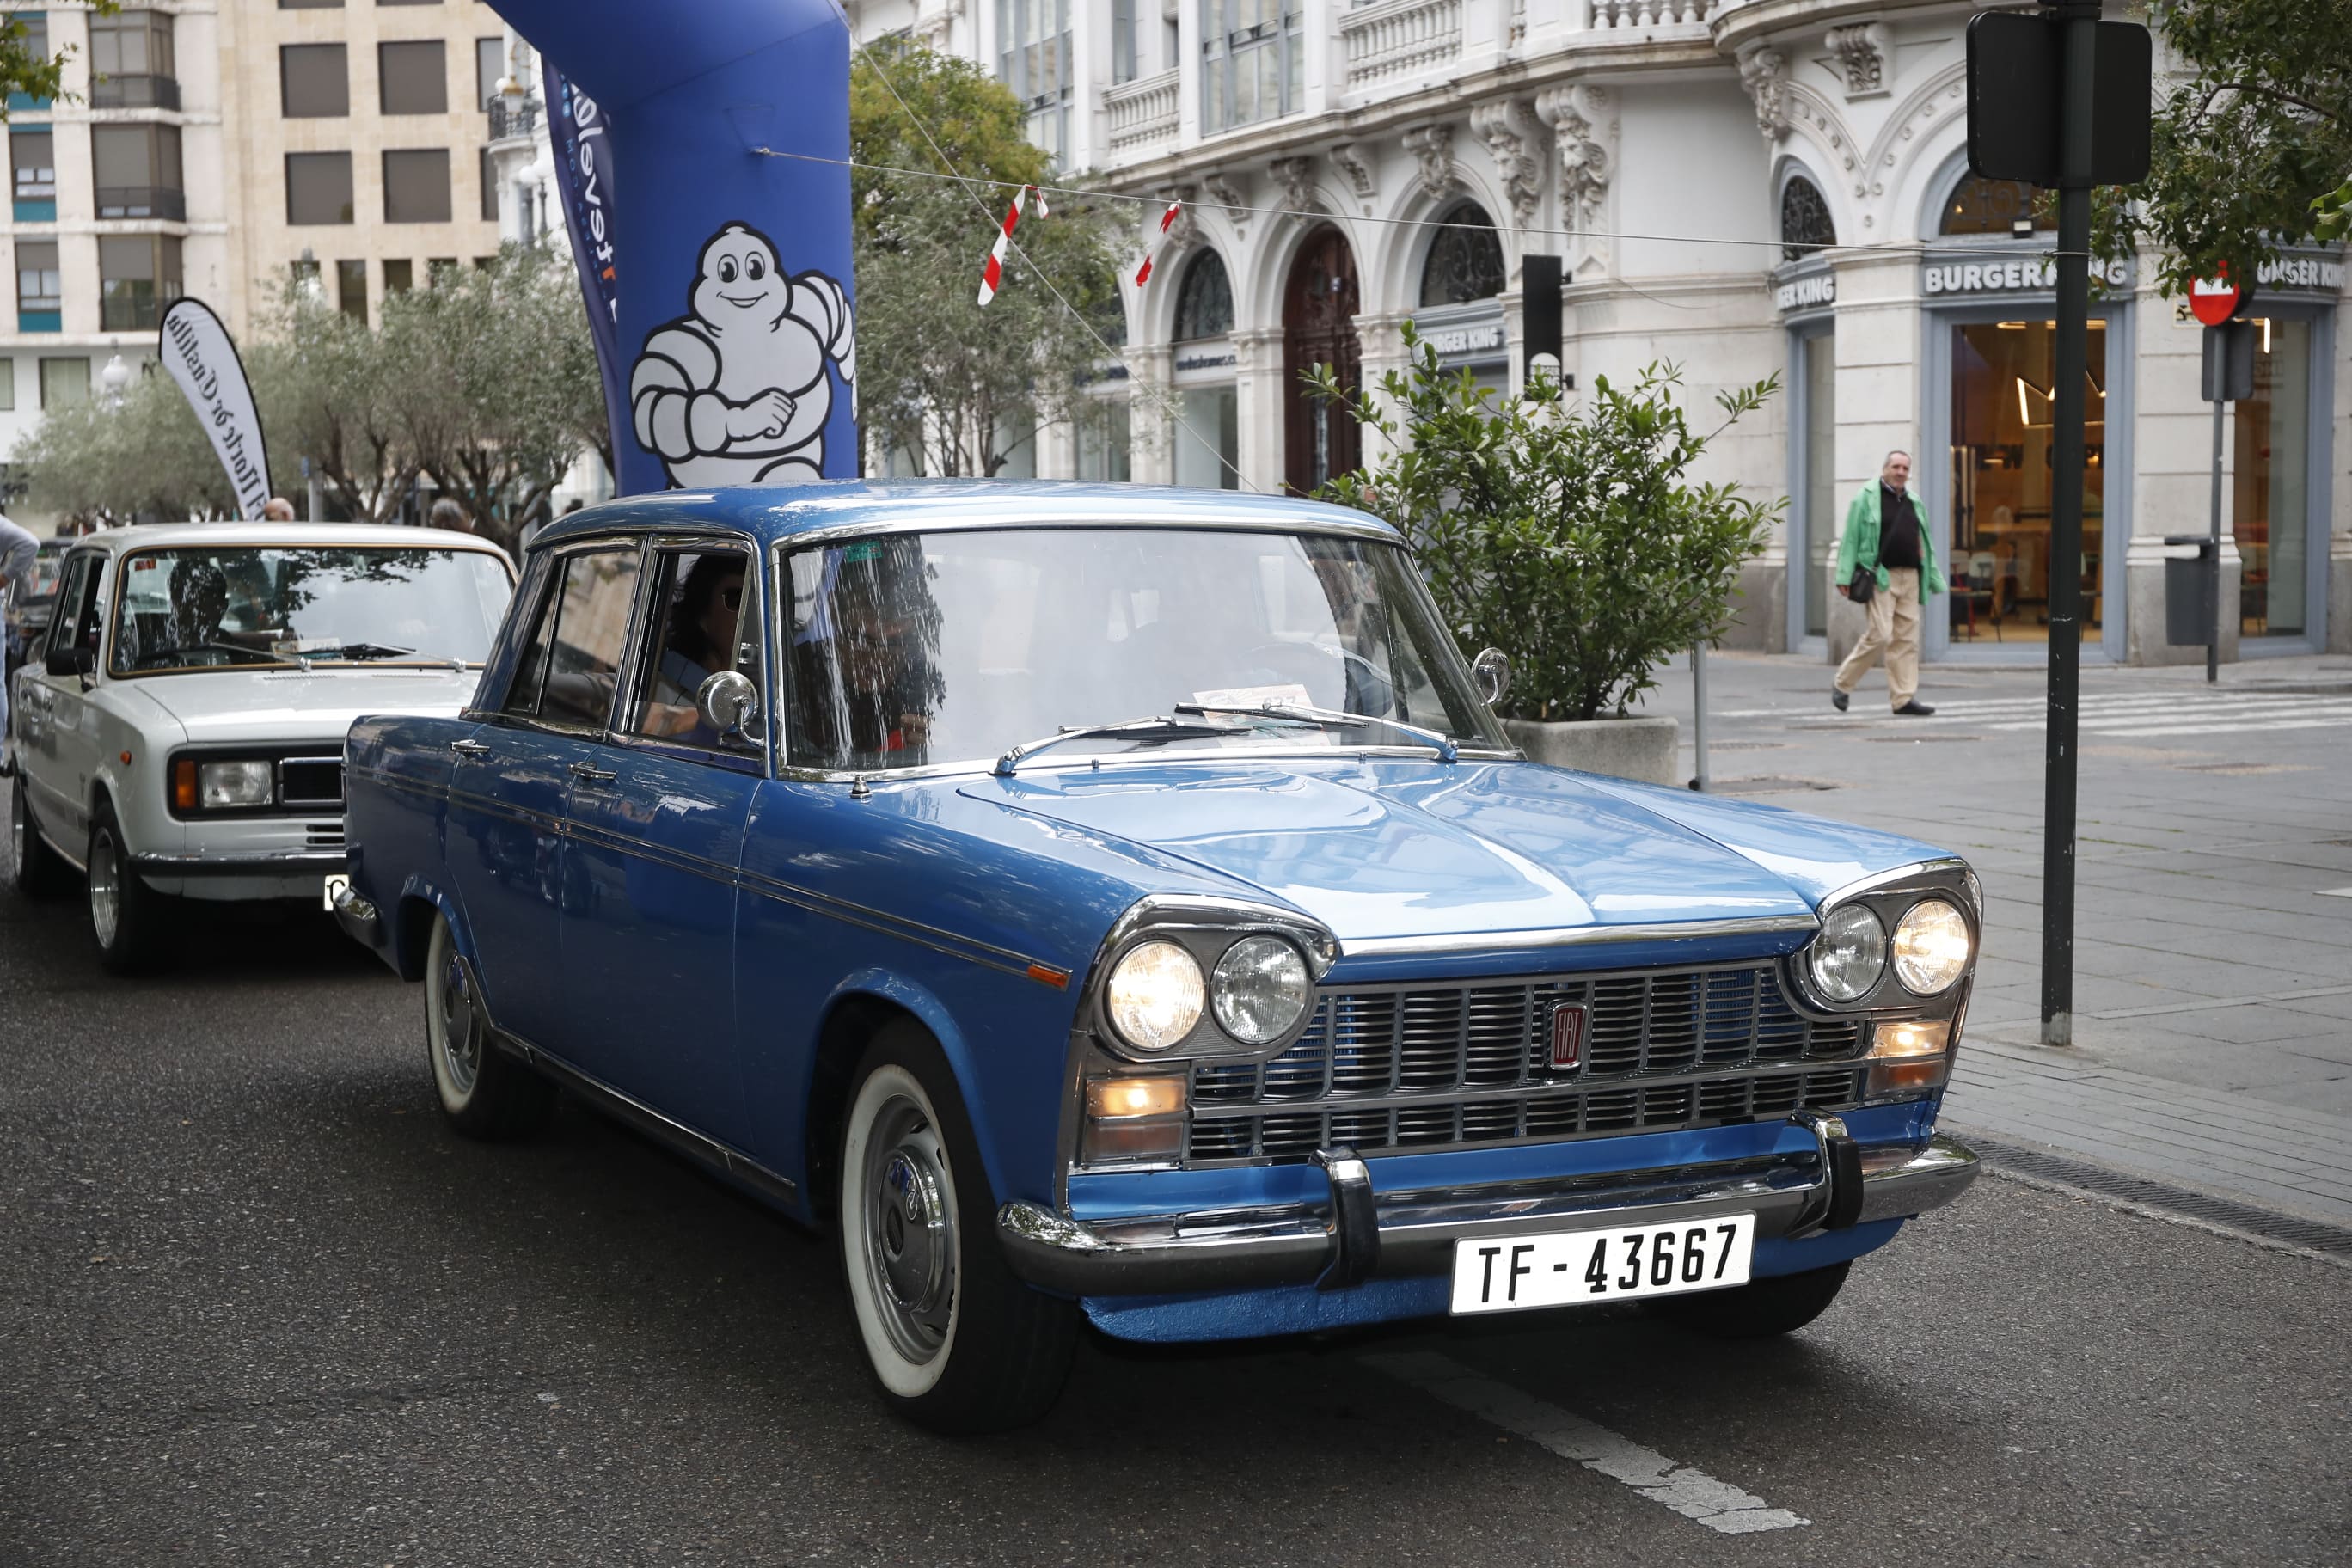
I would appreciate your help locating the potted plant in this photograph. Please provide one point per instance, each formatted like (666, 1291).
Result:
(1566, 534)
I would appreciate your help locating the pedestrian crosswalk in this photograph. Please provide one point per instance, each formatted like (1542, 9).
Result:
(2142, 715)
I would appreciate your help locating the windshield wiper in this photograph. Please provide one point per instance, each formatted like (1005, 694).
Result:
(1158, 728)
(1331, 718)
(357, 650)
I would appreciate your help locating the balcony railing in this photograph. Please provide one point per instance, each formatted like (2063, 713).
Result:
(142, 201)
(1618, 13)
(1142, 113)
(135, 92)
(512, 117)
(1401, 38)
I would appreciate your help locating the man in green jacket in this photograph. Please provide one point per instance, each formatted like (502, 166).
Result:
(1886, 531)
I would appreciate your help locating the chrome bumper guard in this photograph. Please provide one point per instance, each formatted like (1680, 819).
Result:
(1359, 1235)
(242, 863)
(358, 918)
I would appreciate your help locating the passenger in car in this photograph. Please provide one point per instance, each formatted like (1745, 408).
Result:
(697, 643)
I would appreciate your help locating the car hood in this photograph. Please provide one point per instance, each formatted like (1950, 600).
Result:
(227, 706)
(1394, 849)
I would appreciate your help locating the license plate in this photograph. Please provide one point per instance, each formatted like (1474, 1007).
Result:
(1514, 1273)
(335, 884)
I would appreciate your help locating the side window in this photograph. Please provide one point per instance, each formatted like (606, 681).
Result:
(530, 668)
(68, 589)
(704, 620)
(591, 627)
(77, 613)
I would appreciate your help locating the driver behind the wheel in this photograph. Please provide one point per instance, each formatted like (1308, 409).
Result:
(199, 602)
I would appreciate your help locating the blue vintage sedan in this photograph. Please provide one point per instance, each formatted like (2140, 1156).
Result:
(1113, 904)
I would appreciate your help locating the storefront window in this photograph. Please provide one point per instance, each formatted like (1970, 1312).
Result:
(1821, 498)
(2001, 440)
(2269, 500)
(1209, 443)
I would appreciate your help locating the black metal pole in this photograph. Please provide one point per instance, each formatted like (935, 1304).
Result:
(2212, 573)
(2077, 72)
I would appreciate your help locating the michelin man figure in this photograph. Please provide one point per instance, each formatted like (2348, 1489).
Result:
(735, 392)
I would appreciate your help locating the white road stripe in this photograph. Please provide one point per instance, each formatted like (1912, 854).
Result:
(2195, 724)
(1967, 709)
(1692, 1493)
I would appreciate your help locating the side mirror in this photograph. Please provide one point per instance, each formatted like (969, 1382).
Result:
(1492, 671)
(69, 660)
(727, 703)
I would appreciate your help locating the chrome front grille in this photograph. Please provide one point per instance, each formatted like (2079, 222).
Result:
(1387, 1068)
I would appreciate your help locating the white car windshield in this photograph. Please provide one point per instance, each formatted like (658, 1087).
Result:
(238, 605)
(956, 647)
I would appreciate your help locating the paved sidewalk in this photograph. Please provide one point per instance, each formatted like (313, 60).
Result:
(2213, 954)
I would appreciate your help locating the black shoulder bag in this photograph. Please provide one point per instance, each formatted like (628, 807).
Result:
(1864, 584)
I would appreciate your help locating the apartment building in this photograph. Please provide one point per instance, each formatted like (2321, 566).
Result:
(220, 148)
(1746, 187)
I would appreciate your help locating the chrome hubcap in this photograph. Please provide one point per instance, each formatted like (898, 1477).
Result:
(910, 1233)
(20, 831)
(105, 889)
(461, 1042)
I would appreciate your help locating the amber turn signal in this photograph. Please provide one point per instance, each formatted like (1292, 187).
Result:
(1133, 1120)
(183, 785)
(1912, 1037)
(1109, 1099)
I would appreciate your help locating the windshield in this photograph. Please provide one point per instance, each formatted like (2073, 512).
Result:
(242, 606)
(956, 647)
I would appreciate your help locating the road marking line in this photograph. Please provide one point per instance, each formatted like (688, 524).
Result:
(1692, 1493)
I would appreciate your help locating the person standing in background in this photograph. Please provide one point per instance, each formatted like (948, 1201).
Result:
(1886, 544)
(448, 513)
(18, 550)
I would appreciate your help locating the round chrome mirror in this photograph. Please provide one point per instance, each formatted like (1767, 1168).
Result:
(1492, 671)
(728, 702)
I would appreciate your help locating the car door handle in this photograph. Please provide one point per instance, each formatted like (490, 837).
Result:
(469, 748)
(589, 772)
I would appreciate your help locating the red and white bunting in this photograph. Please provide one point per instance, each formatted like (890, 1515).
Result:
(1167, 222)
(993, 272)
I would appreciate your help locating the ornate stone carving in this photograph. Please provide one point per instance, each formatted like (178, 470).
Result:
(1349, 158)
(1432, 147)
(1509, 130)
(1220, 190)
(1294, 178)
(1577, 117)
(1764, 72)
(1185, 231)
(1858, 54)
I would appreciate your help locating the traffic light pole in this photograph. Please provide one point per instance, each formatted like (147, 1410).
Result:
(2077, 66)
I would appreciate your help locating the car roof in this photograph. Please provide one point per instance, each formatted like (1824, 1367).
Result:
(776, 512)
(294, 535)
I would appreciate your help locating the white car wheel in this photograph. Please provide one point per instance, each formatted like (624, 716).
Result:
(902, 1233)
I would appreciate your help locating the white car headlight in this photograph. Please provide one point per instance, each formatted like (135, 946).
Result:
(1931, 947)
(1261, 990)
(227, 785)
(1155, 995)
(1850, 954)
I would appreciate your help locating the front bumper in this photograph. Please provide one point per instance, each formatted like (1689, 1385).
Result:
(1359, 1235)
(243, 863)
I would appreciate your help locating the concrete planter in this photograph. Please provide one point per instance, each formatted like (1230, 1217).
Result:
(1645, 750)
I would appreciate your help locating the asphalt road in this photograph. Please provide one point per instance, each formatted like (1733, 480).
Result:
(258, 1305)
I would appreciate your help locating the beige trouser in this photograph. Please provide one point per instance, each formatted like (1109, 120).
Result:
(1894, 623)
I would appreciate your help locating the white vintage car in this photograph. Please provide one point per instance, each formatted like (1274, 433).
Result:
(179, 735)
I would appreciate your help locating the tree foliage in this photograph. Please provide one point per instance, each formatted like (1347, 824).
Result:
(2253, 150)
(953, 387)
(30, 71)
(1566, 536)
(91, 462)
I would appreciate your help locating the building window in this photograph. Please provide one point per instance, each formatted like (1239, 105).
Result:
(489, 64)
(137, 275)
(33, 154)
(1033, 42)
(318, 188)
(413, 78)
(399, 277)
(309, 4)
(39, 290)
(1122, 41)
(417, 185)
(1992, 206)
(137, 171)
(351, 289)
(2271, 489)
(8, 386)
(314, 81)
(36, 45)
(1104, 442)
(1806, 227)
(130, 61)
(1204, 306)
(1466, 260)
(1253, 54)
(488, 174)
(65, 383)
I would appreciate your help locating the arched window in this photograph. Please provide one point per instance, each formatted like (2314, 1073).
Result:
(1465, 262)
(1991, 206)
(1204, 306)
(1806, 227)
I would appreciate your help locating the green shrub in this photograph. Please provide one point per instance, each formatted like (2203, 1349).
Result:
(1562, 532)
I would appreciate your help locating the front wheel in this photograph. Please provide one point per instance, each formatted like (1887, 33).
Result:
(485, 1092)
(131, 920)
(958, 1343)
(1757, 1309)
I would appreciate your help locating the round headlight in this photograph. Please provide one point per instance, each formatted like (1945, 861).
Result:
(1850, 953)
(1931, 947)
(1261, 989)
(1155, 995)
